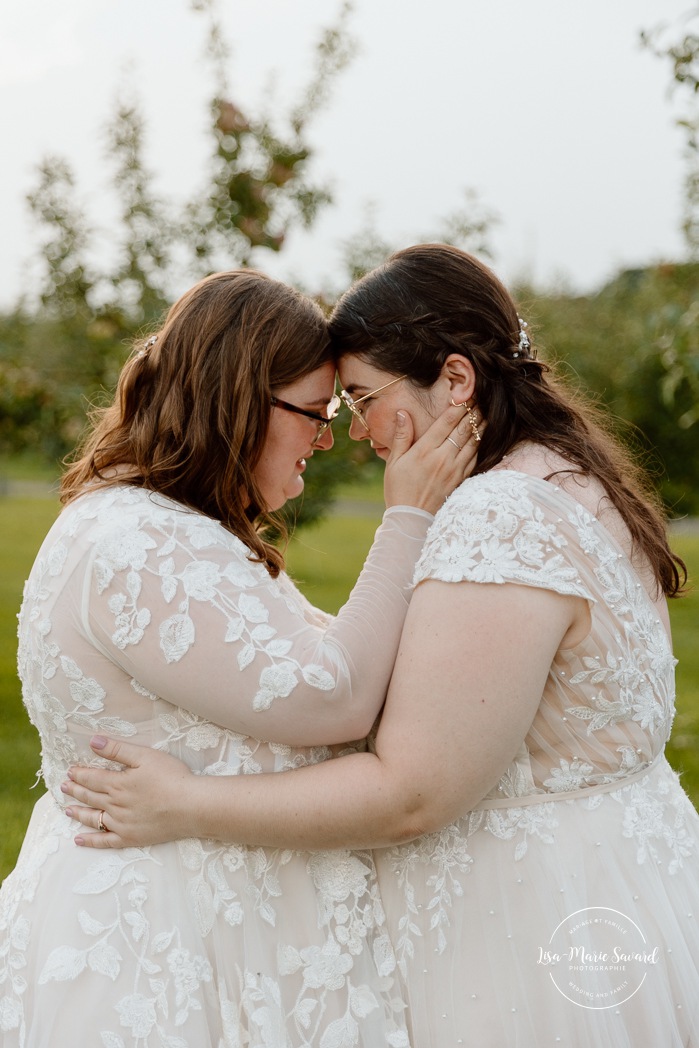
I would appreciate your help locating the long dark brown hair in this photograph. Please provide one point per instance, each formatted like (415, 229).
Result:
(431, 300)
(192, 406)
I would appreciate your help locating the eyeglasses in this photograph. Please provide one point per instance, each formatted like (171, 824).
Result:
(324, 422)
(352, 404)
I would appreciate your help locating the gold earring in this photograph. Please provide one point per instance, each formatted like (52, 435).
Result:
(471, 418)
(473, 423)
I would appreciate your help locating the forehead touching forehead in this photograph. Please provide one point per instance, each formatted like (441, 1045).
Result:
(315, 388)
(357, 376)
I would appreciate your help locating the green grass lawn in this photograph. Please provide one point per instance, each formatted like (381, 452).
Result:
(23, 523)
(683, 748)
(325, 560)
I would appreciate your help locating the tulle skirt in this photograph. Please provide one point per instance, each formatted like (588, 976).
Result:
(192, 945)
(570, 922)
(573, 922)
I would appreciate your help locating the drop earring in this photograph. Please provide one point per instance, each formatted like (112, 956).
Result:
(472, 421)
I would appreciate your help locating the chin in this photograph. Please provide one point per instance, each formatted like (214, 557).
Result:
(293, 491)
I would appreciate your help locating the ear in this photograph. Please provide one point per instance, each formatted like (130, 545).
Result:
(459, 374)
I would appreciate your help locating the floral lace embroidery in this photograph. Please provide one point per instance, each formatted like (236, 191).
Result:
(494, 532)
(118, 929)
(446, 854)
(507, 527)
(333, 984)
(245, 617)
(658, 818)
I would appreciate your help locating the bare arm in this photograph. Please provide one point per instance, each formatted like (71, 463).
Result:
(469, 677)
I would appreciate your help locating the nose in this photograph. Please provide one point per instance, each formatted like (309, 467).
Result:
(327, 440)
(357, 430)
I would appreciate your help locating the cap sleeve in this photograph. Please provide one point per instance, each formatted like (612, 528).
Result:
(502, 527)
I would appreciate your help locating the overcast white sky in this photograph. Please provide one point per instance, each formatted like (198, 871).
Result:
(550, 109)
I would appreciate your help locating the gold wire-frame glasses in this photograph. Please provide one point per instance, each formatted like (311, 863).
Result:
(349, 401)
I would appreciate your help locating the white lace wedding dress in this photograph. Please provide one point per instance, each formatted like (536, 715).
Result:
(565, 909)
(147, 621)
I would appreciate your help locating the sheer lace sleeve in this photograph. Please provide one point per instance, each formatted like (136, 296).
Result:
(175, 601)
(504, 527)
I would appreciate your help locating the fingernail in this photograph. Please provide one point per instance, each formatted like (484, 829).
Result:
(79, 840)
(64, 788)
(400, 416)
(69, 813)
(98, 742)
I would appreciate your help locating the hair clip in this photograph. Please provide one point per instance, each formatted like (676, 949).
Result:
(143, 351)
(524, 344)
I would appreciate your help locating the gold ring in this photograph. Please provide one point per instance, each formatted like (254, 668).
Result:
(100, 822)
(454, 442)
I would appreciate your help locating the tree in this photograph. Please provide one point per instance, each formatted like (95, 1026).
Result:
(139, 281)
(259, 185)
(682, 53)
(634, 345)
(64, 238)
(676, 361)
(63, 348)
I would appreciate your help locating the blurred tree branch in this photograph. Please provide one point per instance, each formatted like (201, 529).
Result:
(678, 45)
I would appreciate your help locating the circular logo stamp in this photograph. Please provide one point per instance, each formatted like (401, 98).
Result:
(598, 957)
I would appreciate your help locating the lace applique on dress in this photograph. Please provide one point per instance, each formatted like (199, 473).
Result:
(608, 703)
(133, 601)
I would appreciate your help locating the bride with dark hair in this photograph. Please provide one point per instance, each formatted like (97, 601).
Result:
(536, 854)
(158, 611)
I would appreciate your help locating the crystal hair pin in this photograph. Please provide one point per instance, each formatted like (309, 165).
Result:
(145, 348)
(524, 345)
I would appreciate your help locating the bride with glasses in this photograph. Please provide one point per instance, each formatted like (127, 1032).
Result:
(536, 854)
(158, 611)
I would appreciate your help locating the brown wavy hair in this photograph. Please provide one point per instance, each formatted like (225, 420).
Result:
(428, 301)
(192, 405)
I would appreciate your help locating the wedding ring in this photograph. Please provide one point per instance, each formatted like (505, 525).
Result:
(100, 822)
(455, 444)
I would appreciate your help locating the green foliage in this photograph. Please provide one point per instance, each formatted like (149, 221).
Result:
(677, 344)
(259, 186)
(64, 242)
(634, 345)
(683, 748)
(679, 46)
(23, 524)
(61, 350)
(147, 233)
(50, 370)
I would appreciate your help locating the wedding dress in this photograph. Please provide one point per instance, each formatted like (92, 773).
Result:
(564, 910)
(146, 621)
